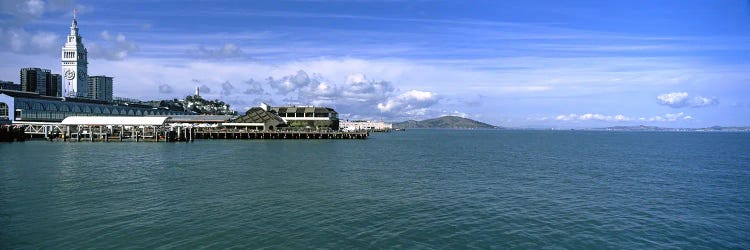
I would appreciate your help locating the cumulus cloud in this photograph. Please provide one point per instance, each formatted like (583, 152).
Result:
(289, 83)
(34, 8)
(228, 50)
(226, 88)
(111, 47)
(413, 102)
(683, 99)
(205, 89)
(254, 87)
(320, 92)
(357, 94)
(358, 88)
(621, 118)
(21, 12)
(19, 40)
(165, 89)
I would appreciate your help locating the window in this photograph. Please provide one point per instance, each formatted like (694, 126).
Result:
(3, 110)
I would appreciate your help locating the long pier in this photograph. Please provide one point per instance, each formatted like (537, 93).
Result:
(119, 133)
(254, 134)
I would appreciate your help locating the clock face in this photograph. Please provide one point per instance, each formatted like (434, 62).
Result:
(81, 73)
(70, 74)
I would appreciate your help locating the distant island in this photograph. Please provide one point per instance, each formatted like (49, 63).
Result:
(444, 122)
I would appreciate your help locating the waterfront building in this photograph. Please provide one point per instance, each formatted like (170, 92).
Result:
(257, 118)
(41, 96)
(306, 116)
(100, 88)
(365, 125)
(5, 110)
(32, 107)
(10, 85)
(75, 64)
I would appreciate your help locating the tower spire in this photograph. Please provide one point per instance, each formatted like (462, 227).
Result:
(74, 25)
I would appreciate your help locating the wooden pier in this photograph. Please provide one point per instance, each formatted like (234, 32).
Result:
(11, 133)
(158, 129)
(278, 135)
(94, 133)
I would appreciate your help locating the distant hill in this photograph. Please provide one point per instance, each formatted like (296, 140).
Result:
(443, 122)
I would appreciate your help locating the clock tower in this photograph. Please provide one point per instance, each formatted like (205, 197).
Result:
(75, 64)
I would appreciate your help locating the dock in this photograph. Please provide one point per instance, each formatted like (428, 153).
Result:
(265, 135)
(102, 133)
(163, 129)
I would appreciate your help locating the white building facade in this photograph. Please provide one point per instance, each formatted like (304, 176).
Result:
(365, 125)
(75, 64)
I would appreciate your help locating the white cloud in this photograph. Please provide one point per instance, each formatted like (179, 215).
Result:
(45, 40)
(254, 87)
(358, 88)
(228, 50)
(23, 42)
(33, 7)
(289, 83)
(669, 117)
(205, 89)
(683, 99)
(226, 88)
(410, 101)
(673, 99)
(165, 89)
(357, 95)
(112, 47)
(620, 118)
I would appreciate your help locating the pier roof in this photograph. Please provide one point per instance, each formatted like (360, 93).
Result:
(115, 120)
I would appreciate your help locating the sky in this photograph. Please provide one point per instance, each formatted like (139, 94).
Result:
(536, 64)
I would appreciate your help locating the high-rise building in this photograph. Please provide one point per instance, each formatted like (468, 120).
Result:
(54, 85)
(35, 80)
(75, 64)
(10, 85)
(100, 88)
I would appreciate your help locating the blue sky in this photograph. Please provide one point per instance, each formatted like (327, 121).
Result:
(559, 64)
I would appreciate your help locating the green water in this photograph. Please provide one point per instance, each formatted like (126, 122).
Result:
(413, 189)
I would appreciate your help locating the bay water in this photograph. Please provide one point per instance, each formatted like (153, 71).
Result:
(412, 189)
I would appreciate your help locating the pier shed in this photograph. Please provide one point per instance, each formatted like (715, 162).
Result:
(116, 120)
(101, 128)
(256, 119)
